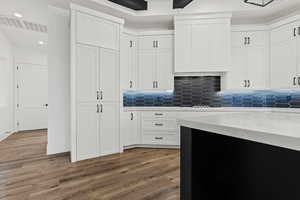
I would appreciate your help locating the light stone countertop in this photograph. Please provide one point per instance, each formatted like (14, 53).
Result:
(278, 129)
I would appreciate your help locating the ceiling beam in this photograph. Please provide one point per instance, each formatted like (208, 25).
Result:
(132, 4)
(180, 3)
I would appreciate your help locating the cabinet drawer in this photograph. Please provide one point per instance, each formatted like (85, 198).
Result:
(157, 125)
(161, 139)
(168, 115)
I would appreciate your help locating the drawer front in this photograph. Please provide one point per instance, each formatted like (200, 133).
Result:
(168, 115)
(160, 139)
(157, 125)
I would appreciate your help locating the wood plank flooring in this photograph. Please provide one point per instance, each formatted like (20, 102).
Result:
(27, 173)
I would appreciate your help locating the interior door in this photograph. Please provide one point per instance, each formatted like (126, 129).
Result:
(88, 138)
(32, 97)
(256, 69)
(109, 75)
(109, 129)
(238, 74)
(283, 64)
(147, 69)
(164, 69)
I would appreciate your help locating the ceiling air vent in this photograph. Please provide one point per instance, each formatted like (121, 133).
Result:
(22, 24)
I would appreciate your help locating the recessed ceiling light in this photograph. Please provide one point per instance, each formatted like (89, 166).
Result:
(41, 42)
(18, 15)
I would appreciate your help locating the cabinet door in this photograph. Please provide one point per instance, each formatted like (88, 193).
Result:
(109, 129)
(283, 64)
(256, 69)
(109, 75)
(97, 32)
(147, 42)
(164, 69)
(147, 69)
(165, 42)
(86, 73)
(87, 132)
(129, 128)
(238, 73)
(183, 47)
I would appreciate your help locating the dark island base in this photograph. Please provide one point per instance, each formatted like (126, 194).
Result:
(217, 167)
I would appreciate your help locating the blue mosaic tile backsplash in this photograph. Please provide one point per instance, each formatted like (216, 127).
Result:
(205, 91)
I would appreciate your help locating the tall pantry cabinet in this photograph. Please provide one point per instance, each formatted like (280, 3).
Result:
(95, 84)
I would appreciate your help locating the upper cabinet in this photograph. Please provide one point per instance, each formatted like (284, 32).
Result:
(155, 62)
(89, 28)
(285, 56)
(249, 67)
(202, 44)
(128, 62)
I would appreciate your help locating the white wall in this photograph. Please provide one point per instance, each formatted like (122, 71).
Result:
(30, 56)
(6, 91)
(59, 81)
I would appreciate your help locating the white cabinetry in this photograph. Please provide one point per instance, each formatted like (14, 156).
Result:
(155, 62)
(159, 128)
(202, 44)
(285, 55)
(249, 68)
(129, 128)
(95, 84)
(128, 62)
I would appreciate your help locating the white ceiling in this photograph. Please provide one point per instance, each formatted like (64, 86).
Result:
(158, 16)
(33, 11)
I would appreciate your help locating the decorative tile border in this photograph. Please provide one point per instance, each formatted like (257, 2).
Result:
(205, 91)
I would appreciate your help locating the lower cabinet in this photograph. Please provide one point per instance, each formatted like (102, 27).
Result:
(109, 128)
(129, 128)
(88, 138)
(97, 130)
(159, 128)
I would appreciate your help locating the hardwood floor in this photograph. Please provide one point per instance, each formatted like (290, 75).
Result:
(27, 173)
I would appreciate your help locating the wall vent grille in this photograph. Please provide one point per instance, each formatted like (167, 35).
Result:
(22, 24)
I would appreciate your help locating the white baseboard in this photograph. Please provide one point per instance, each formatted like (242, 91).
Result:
(5, 134)
(152, 146)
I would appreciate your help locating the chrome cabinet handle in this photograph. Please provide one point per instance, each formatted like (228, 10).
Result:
(153, 84)
(245, 83)
(245, 40)
(98, 109)
(156, 84)
(131, 44)
(157, 44)
(159, 138)
(158, 114)
(131, 116)
(98, 95)
(294, 82)
(249, 83)
(101, 95)
(295, 32)
(248, 40)
(101, 108)
(159, 124)
(298, 80)
(130, 84)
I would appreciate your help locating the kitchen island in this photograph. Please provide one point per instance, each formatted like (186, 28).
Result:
(240, 156)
